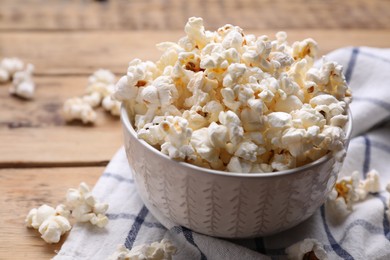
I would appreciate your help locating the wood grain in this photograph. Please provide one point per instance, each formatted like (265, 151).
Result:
(172, 14)
(80, 53)
(34, 133)
(24, 189)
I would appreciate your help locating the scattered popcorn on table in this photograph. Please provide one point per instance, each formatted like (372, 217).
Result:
(98, 92)
(84, 206)
(11, 66)
(22, 83)
(156, 251)
(244, 103)
(50, 222)
(78, 109)
(349, 190)
(306, 249)
(53, 228)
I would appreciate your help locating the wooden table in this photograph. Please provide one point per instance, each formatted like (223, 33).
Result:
(41, 156)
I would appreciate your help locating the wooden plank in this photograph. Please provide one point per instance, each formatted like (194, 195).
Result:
(34, 133)
(163, 15)
(83, 52)
(24, 189)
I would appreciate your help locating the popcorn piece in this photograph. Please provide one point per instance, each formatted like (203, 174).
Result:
(249, 103)
(307, 249)
(177, 138)
(102, 76)
(111, 105)
(138, 75)
(23, 86)
(351, 189)
(163, 250)
(36, 217)
(94, 99)
(53, 228)
(4, 75)
(344, 194)
(78, 109)
(84, 206)
(11, 65)
(50, 222)
(369, 185)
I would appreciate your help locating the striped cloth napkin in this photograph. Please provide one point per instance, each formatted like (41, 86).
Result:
(364, 234)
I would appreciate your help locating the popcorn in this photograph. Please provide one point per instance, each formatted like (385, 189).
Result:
(84, 206)
(156, 251)
(242, 103)
(177, 139)
(22, 84)
(51, 223)
(4, 75)
(308, 248)
(344, 194)
(78, 109)
(53, 228)
(350, 190)
(11, 65)
(111, 105)
(370, 185)
(103, 76)
(36, 216)
(98, 92)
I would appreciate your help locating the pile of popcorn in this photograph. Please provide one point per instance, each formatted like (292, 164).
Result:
(13, 69)
(235, 102)
(98, 92)
(80, 204)
(156, 251)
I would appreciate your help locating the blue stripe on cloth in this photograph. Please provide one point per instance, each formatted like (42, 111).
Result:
(362, 223)
(117, 177)
(351, 64)
(366, 164)
(139, 220)
(188, 236)
(260, 246)
(386, 224)
(367, 156)
(375, 101)
(335, 246)
(112, 216)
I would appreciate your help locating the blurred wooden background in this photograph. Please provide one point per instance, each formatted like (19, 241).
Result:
(41, 156)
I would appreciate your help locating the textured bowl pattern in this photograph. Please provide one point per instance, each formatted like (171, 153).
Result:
(225, 204)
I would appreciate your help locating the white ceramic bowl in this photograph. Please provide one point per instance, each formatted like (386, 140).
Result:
(225, 204)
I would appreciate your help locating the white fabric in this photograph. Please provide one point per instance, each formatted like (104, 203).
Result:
(364, 234)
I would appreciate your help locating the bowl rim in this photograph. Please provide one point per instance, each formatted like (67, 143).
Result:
(129, 128)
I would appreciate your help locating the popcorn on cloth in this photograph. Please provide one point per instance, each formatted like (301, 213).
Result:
(250, 104)
(156, 251)
(351, 189)
(85, 207)
(306, 249)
